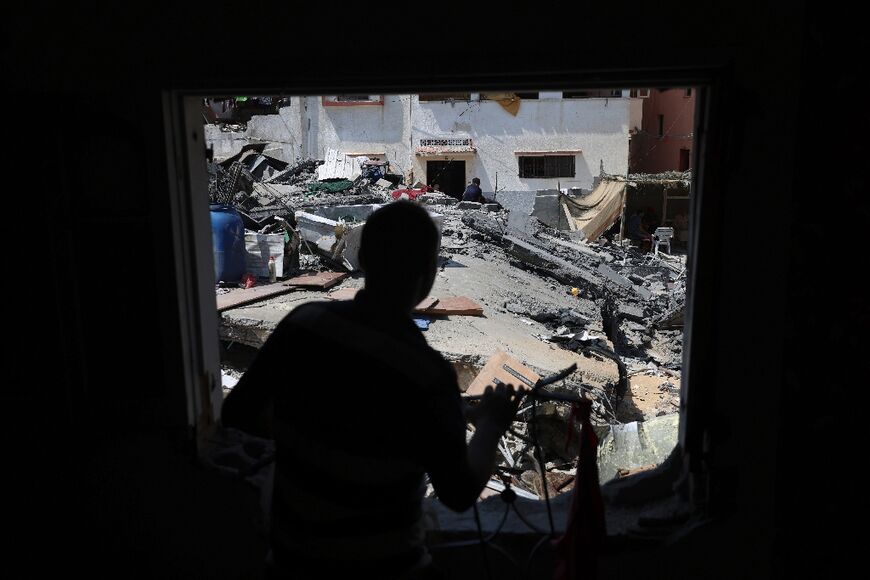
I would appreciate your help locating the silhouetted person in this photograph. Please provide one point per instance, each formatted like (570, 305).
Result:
(636, 230)
(473, 192)
(361, 408)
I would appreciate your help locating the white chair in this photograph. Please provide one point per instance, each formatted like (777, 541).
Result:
(662, 237)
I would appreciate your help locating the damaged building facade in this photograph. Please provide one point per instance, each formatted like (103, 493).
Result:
(512, 142)
(512, 284)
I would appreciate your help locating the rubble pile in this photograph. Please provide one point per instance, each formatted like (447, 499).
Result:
(621, 307)
(638, 299)
(268, 193)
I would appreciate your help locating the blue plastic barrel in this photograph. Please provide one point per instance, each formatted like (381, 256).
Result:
(228, 243)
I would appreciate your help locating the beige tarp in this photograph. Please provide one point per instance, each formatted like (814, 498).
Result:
(509, 101)
(594, 213)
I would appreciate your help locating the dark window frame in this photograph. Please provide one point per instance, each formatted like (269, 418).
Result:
(546, 166)
(442, 97)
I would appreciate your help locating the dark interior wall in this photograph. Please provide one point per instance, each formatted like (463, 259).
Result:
(99, 357)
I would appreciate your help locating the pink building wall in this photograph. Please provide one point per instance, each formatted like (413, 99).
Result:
(651, 153)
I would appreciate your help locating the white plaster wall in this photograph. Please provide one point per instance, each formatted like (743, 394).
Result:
(363, 129)
(283, 132)
(224, 144)
(596, 127)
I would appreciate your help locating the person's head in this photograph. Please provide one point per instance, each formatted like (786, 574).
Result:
(476, 181)
(399, 253)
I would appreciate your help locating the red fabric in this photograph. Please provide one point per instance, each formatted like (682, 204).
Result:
(249, 280)
(411, 193)
(576, 552)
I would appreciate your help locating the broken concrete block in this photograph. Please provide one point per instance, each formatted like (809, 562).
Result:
(437, 199)
(613, 276)
(339, 228)
(547, 208)
(491, 207)
(630, 312)
(468, 205)
(641, 291)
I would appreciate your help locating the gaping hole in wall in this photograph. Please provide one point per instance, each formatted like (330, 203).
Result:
(575, 251)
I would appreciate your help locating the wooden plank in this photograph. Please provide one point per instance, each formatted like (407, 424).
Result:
(504, 368)
(350, 293)
(343, 294)
(455, 305)
(242, 296)
(322, 280)
(425, 304)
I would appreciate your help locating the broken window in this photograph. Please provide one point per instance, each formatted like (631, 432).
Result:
(542, 166)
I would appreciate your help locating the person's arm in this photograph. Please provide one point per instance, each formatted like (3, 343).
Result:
(461, 474)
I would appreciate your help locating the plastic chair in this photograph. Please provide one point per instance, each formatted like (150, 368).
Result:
(662, 237)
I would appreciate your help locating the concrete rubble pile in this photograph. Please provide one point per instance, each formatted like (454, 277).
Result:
(620, 305)
(638, 298)
(269, 194)
(620, 308)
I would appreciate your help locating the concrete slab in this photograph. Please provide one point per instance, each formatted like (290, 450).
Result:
(337, 229)
(547, 208)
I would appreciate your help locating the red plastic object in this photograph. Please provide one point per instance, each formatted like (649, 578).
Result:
(411, 193)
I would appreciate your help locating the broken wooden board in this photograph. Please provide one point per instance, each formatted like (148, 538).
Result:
(244, 296)
(350, 293)
(455, 305)
(322, 280)
(426, 304)
(504, 368)
(343, 294)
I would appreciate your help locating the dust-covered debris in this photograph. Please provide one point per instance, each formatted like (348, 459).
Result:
(617, 311)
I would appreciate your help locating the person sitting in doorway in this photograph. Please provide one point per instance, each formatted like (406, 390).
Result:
(473, 192)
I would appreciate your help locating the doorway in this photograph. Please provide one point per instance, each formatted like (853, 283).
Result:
(449, 175)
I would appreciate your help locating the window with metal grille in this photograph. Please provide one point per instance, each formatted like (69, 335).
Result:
(546, 166)
(350, 98)
(445, 96)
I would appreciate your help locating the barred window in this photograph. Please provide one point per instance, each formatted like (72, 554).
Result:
(444, 97)
(547, 166)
